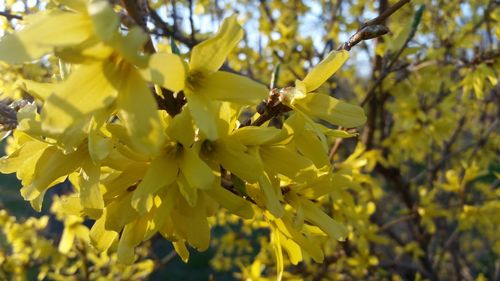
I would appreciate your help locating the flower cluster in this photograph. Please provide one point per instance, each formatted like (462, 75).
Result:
(137, 170)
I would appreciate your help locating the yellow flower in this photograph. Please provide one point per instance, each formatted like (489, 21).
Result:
(201, 81)
(302, 97)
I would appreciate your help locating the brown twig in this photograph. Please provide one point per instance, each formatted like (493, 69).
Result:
(10, 16)
(385, 14)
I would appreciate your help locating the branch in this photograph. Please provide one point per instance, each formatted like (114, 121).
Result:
(373, 28)
(10, 16)
(385, 14)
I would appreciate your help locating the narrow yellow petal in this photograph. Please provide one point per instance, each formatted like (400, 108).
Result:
(166, 70)
(132, 235)
(331, 110)
(326, 68)
(90, 194)
(194, 220)
(276, 243)
(253, 135)
(209, 55)
(198, 174)
(285, 225)
(138, 111)
(119, 213)
(226, 86)
(181, 249)
(85, 94)
(100, 146)
(293, 249)
(101, 238)
(44, 32)
(67, 239)
(181, 128)
(238, 159)
(297, 167)
(39, 90)
(162, 172)
(54, 164)
(315, 215)
(270, 197)
(203, 112)
(189, 192)
(232, 202)
(105, 20)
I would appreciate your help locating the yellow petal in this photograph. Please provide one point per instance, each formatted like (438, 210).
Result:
(20, 157)
(132, 235)
(195, 222)
(100, 237)
(311, 147)
(67, 240)
(332, 110)
(326, 68)
(225, 86)
(39, 90)
(189, 192)
(297, 167)
(182, 251)
(89, 51)
(99, 145)
(312, 213)
(119, 213)
(203, 112)
(86, 93)
(44, 32)
(209, 55)
(276, 243)
(138, 111)
(238, 159)
(198, 174)
(162, 213)
(293, 249)
(90, 194)
(105, 20)
(253, 136)
(166, 70)
(285, 225)
(232, 202)
(270, 197)
(162, 172)
(52, 165)
(129, 46)
(181, 128)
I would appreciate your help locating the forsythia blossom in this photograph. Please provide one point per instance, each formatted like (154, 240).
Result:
(138, 171)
